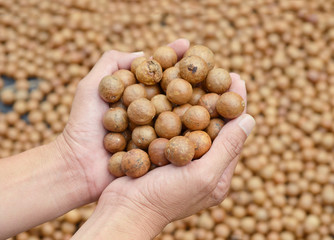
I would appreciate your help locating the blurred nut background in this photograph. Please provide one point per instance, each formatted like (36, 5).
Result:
(283, 49)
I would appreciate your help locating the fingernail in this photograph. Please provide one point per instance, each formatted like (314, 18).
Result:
(138, 53)
(247, 124)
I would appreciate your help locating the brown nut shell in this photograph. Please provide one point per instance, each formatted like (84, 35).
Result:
(180, 150)
(202, 142)
(209, 101)
(114, 142)
(131, 145)
(135, 163)
(141, 111)
(161, 103)
(135, 63)
(215, 125)
(193, 69)
(126, 76)
(218, 81)
(133, 92)
(166, 56)
(111, 89)
(169, 75)
(114, 164)
(149, 72)
(152, 90)
(179, 91)
(156, 151)
(230, 105)
(168, 125)
(196, 118)
(197, 94)
(142, 136)
(115, 119)
(180, 110)
(203, 52)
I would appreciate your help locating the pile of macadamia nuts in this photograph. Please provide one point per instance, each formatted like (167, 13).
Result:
(164, 111)
(283, 187)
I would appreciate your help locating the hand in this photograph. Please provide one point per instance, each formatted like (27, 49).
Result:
(82, 139)
(143, 206)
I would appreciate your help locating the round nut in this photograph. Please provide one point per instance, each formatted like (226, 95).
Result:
(115, 119)
(111, 89)
(180, 150)
(179, 91)
(196, 118)
(149, 72)
(141, 111)
(135, 163)
(193, 69)
(168, 125)
(230, 105)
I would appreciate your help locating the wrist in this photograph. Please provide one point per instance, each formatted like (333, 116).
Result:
(74, 177)
(122, 219)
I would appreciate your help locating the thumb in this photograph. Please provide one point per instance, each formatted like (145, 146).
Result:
(228, 144)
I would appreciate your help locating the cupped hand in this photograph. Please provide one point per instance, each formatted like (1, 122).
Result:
(169, 193)
(82, 139)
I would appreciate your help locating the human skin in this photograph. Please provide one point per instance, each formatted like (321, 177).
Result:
(48, 181)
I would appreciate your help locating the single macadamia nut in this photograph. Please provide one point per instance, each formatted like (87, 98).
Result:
(196, 118)
(180, 150)
(114, 164)
(193, 69)
(114, 142)
(166, 56)
(180, 110)
(111, 89)
(135, 63)
(152, 90)
(141, 111)
(179, 91)
(142, 136)
(161, 103)
(230, 105)
(156, 151)
(168, 75)
(203, 52)
(135, 163)
(215, 125)
(197, 94)
(202, 142)
(133, 92)
(218, 81)
(127, 77)
(168, 125)
(115, 119)
(209, 101)
(149, 72)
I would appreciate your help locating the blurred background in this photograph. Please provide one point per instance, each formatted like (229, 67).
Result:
(283, 49)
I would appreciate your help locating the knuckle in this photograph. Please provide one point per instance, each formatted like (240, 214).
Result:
(109, 54)
(233, 145)
(221, 191)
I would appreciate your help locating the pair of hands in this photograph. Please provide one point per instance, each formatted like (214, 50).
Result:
(165, 194)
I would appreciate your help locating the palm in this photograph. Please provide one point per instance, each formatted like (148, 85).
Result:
(162, 190)
(86, 134)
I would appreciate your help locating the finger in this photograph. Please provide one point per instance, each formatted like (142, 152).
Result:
(227, 145)
(180, 46)
(110, 62)
(224, 183)
(239, 86)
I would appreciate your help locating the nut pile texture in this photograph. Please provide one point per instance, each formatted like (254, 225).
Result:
(168, 112)
(283, 185)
